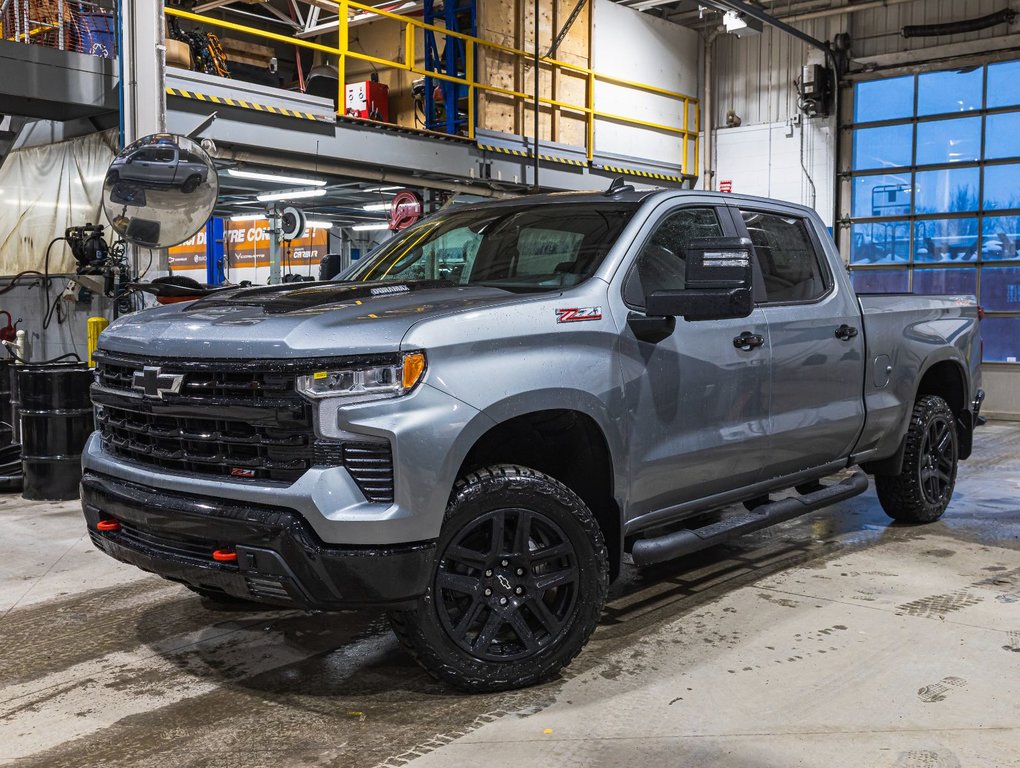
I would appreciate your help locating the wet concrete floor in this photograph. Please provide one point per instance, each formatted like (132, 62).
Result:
(837, 639)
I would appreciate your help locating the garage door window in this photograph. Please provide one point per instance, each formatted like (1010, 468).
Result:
(935, 204)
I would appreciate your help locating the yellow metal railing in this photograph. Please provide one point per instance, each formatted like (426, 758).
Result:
(687, 133)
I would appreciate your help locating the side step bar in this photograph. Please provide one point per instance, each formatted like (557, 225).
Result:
(684, 542)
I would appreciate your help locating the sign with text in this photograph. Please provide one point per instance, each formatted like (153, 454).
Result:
(247, 245)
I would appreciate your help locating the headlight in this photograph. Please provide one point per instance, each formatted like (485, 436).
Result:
(359, 385)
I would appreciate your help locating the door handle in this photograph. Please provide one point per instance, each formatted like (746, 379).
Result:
(846, 332)
(748, 341)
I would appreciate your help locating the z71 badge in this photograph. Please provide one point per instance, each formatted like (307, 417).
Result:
(578, 314)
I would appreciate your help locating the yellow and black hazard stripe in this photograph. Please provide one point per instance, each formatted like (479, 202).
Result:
(527, 153)
(228, 102)
(644, 174)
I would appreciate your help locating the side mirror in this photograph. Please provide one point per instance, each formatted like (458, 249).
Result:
(147, 208)
(718, 283)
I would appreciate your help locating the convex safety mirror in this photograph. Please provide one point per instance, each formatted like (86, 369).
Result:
(160, 190)
(718, 282)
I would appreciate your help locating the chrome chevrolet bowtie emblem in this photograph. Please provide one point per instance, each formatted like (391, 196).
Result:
(152, 383)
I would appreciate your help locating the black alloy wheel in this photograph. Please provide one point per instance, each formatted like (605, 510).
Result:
(938, 459)
(520, 579)
(506, 584)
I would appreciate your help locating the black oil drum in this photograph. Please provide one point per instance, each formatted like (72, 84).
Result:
(6, 407)
(56, 417)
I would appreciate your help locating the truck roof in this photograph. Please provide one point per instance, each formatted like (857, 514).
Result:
(631, 196)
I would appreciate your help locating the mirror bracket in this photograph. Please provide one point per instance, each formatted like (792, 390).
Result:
(650, 328)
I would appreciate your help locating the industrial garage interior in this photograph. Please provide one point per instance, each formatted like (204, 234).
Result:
(368, 396)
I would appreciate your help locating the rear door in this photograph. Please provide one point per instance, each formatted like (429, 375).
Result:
(817, 342)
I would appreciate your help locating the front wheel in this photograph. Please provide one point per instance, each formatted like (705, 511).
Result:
(922, 490)
(518, 587)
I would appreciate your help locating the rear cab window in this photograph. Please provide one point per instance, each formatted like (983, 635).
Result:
(790, 263)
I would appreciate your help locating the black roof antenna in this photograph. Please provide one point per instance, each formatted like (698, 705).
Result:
(618, 185)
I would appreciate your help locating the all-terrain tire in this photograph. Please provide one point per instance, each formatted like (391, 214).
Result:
(922, 490)
(518, 587)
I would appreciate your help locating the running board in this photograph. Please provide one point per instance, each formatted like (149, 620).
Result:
(680, 543)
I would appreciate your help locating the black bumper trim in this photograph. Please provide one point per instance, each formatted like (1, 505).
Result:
(280, 560)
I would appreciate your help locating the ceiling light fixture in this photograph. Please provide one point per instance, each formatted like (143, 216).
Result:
(289, 194)
(377, 207)
(259, 176)
(247, 217)
(367, 227)
(318, 224)
(733, 21)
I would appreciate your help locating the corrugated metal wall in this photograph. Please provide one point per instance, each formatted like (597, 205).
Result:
(754, 75)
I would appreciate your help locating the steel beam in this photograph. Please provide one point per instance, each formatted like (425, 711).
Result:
(144, 73)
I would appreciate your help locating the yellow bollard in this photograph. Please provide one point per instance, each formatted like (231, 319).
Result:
(95, 327)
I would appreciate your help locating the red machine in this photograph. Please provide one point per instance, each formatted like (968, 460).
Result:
(369, 99)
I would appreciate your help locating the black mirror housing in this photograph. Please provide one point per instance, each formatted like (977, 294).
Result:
(719, 280)
(701, 304)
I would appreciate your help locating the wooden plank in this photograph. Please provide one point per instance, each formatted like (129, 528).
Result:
(516, 116)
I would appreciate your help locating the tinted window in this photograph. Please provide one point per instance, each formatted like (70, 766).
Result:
(939, 92)
(949, 141)
(1004, 84)
(884, 99)
(888, 146)
(1000, 135)
(661, 264)
(519, 248)
(787, 257)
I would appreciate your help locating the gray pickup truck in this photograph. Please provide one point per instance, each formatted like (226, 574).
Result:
(479, 422)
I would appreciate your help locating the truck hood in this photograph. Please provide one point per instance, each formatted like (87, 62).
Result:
(296, 320)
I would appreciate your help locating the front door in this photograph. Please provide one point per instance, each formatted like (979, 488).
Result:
(697, 402)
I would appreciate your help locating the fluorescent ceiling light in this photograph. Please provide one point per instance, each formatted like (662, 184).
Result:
(247, 216)
(383, 189)
(319, 224)
(292, 194)
(367, 227)
(258, 176)
(644, 5)
(376, 207)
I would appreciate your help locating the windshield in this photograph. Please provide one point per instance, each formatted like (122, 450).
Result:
(520, 248)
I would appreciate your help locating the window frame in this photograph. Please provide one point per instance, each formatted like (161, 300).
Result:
(825, 271)
(919, 271)
(726, 225)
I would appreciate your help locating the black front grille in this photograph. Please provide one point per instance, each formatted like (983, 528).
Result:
(207, 445)
(201, 382)
(230, 420)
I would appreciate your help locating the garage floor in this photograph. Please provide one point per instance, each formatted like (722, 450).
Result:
(833, 640)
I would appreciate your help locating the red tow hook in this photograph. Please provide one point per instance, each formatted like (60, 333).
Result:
(224, 556)
(108, 526)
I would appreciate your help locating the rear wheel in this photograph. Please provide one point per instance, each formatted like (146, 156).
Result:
(191, 184)
(924, 487)
(519, 584)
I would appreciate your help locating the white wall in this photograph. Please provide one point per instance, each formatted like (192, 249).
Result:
(642, 48)
(765, 160)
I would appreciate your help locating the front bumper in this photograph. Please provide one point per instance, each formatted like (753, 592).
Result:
(280, 560)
